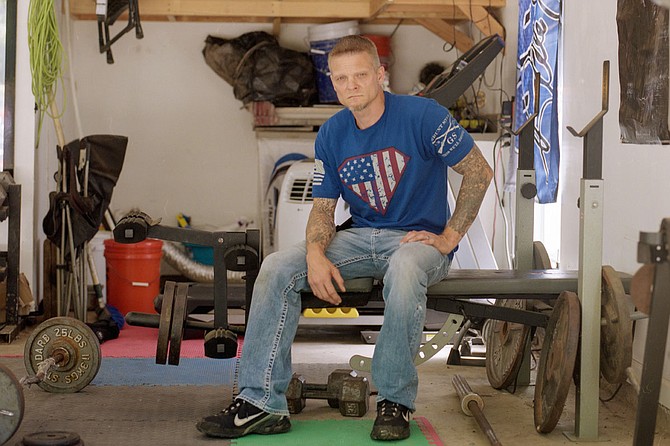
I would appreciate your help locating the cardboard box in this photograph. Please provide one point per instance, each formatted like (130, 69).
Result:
(25, 297)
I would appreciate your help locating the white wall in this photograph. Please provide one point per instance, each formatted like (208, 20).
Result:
(24, 152)
(636, 179)
(192, 148)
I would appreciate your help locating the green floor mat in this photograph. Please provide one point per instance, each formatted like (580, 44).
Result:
(344, 432)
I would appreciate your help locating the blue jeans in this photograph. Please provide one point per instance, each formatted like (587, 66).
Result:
(406, 270)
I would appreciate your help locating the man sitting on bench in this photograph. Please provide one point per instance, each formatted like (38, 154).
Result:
(387, 156)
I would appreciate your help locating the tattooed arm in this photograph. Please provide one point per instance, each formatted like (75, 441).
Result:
(320, 271)
(477, 175)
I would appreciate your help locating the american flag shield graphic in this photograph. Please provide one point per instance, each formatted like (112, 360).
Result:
(374, 177)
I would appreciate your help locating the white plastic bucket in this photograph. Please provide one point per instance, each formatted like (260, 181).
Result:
(322, 39)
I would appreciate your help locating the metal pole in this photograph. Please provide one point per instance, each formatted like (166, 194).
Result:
(657, 334)
(472, 405)
(590, 269)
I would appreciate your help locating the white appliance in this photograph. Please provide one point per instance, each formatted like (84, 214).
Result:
(295, 203)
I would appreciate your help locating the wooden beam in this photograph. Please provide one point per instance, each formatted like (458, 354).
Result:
(483, 20)
(276, 26)
(438, 3)
(300, 11)
(444, 11)
(241, 8)
(448, 32)
(304, 9)
(378, 6)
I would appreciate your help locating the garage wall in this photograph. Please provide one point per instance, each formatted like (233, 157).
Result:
(192, 148)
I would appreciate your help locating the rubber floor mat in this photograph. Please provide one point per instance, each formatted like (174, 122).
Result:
(339, 432)
(145, 372)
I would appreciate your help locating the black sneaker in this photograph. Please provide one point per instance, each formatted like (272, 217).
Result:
(243, 418)
(392, 422)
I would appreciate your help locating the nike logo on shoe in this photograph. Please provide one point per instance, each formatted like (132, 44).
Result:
(239, 422)
(405, 415)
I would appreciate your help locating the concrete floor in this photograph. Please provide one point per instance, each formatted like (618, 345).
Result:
(118, 415)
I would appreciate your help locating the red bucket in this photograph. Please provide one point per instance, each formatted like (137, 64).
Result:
(383, 44)
(133, 274)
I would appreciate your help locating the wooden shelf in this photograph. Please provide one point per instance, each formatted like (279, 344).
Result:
(267, 116)
(438, 16)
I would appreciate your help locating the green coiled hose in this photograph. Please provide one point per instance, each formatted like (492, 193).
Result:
(46, 57)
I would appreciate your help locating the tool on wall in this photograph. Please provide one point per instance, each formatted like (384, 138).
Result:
(108, 11)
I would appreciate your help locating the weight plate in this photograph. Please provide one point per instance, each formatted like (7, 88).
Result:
(78, 345)
(12, 404)
(616, 333)
(557, 361)
(52, 438)
(505, 347)
(178, 319)
(165, 323)
(540, 257)
(641, 286)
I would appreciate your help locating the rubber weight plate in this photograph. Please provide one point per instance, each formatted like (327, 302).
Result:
(178, 321)
(52, 438)
(165, 323)
(616, 333)
(505, 347)
(12, 404)
(79, 348)
(557, 362)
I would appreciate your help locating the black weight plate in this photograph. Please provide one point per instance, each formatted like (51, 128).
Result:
(53, 438)
(12, 404)
(557, 361)
(505, 347)
(79, 346)
(178, 319)
(616, 334)
(165, 323)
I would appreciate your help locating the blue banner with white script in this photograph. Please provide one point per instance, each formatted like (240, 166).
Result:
(539, 25)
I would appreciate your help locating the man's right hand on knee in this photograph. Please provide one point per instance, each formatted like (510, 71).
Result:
(323, 277)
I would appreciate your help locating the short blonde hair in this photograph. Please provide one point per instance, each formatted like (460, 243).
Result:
(355, 44)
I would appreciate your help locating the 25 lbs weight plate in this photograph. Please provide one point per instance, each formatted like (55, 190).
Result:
(74, 345)
(12, 404)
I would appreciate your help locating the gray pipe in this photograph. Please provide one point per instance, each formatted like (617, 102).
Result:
(195, 271)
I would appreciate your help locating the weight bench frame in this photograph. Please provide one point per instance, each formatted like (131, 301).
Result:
(455, 294)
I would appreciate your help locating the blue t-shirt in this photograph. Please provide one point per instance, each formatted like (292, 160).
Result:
(394, 173)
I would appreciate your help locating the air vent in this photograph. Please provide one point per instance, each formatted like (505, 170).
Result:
(301, 191)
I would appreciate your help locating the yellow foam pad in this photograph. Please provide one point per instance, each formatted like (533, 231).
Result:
(330, 312)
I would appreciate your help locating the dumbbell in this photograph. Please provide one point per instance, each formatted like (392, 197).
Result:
(345, 390)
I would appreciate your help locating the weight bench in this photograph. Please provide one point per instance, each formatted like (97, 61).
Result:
(455, 293)
(460, 295)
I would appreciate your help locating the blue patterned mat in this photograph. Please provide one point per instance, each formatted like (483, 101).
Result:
(145, 372)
